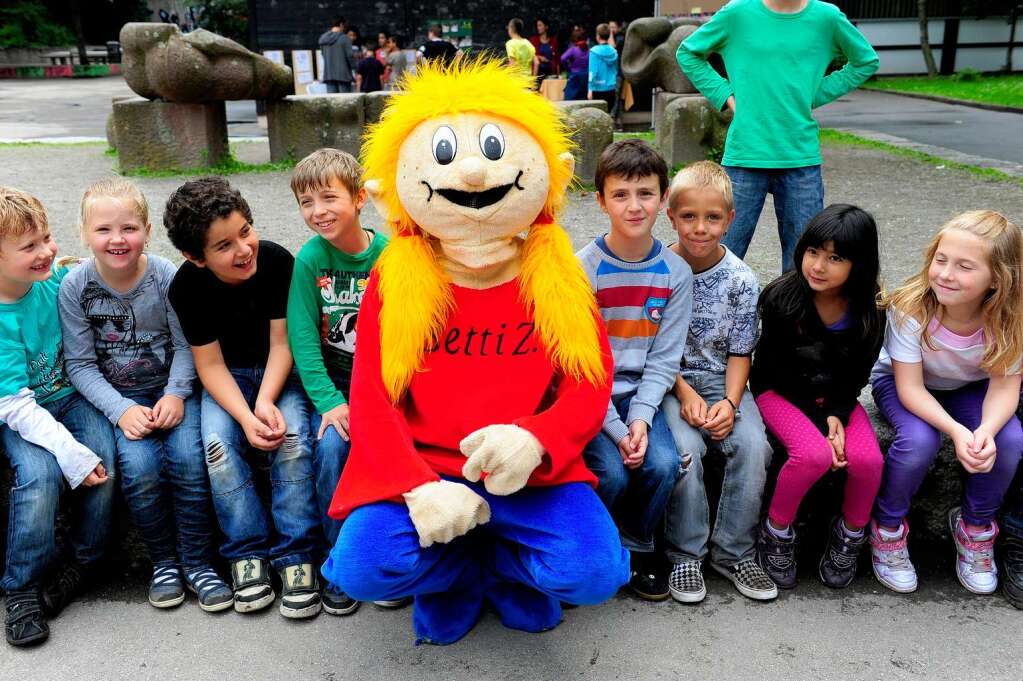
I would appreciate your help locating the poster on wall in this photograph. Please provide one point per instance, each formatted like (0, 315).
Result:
(302, 69)
(276, 56)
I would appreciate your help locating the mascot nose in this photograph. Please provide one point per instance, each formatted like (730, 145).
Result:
(474, 173)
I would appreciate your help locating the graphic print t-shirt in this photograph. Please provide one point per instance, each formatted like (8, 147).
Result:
(237, 316)
(327, 287)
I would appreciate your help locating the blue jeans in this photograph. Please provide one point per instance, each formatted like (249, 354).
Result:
(637, 497)
(337, 86)
(329, 456)
(543, 546)
(247, 528)
(168, 457)
(747, 455)
(575, 88)
(35, 496)
(798, 196)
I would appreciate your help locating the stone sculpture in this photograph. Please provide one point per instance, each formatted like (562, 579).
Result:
(648, 57)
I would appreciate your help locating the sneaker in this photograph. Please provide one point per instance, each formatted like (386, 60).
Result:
(214, 595)
(1012, 563)
(777, 556)
(890, 559)
(66, 584)
(686, 582)
(23, 619)
(975, 566)
(837, 568)
(750, 579)
(252, 590)
(166, 589)
(393, 604)
(648, 581)
(300, 592)
(337, 602)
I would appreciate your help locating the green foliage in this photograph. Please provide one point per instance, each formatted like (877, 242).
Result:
(968, 85)
(967, 76)
(228, 18)
(27, 24)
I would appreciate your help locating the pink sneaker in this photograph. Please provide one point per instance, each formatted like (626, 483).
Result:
(975, 563)
(890, 559)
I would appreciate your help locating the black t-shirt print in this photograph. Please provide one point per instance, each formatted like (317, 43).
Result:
(236, 316)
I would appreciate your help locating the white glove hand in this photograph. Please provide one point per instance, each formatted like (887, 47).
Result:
(507, 454)
(443, 510)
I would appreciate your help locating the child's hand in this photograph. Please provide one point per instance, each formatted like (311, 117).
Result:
(337, 417)
(694, 411)
(731, 103)
(984, 447)
(836, 438)
(625, 449)
(267, 412)
(720, 420)
(637, 443)
(97, 477)
(168, 412)
(136, 422)
(962, 439)
(260, 436)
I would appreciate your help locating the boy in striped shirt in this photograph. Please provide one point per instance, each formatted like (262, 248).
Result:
(644, 292)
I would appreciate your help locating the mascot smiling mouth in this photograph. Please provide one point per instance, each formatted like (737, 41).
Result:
(475, 200)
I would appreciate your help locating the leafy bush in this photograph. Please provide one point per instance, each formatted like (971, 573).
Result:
(967, 76)
(229, 18)
(27, 24)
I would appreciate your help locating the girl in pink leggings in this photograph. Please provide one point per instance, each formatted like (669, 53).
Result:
(822, 331)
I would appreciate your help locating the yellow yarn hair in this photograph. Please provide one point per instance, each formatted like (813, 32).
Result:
(552, 283)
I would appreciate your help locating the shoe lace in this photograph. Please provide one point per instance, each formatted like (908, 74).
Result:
(204, 580)
(166, 575)
(979, 555)
(896, 557)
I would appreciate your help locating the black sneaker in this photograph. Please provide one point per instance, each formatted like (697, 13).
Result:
(686, 582)
(649, 580)
(23, 619)
(1012, 569)
(251, 582)
(749, 579)
(300, 592)
(393, 604)
(65, 584)
(777, 556)
(838, 564)
(337, 602)
(213, 594)
(166, 590)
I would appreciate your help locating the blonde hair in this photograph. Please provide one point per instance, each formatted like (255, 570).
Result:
(701, 175)
(316, 170)
(20, 213)
(118, 188)
(1001, 309)
(552, 283)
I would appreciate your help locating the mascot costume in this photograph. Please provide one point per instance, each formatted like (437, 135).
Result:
(482, 369)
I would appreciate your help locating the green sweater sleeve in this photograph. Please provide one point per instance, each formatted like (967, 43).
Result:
(304, 338)
(692, 58)
(861, 63)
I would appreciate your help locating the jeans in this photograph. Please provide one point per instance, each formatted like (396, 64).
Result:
(337, 86)
(636, 497)
(173, 457)
(798, 196)
(35, 496)
(575, 88)
(241, 514)
(329, 456)
(916, 445)
(747, 454)
(542, 546)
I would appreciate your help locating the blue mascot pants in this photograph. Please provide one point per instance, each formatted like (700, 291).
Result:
(543, 546)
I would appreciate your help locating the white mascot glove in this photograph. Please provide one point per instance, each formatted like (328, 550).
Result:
(507, 454)
(443, 510)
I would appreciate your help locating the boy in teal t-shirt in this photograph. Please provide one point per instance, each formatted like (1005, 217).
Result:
(50, 434)
(776, 53)
(327, 284)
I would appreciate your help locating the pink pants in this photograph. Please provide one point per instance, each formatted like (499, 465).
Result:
(810, 458)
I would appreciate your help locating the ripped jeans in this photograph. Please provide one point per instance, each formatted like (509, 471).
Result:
(291, 534)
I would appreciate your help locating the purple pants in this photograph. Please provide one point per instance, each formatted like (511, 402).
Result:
(917, 443)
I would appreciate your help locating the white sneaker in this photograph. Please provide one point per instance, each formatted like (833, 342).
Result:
(686, 582)
(975, 564)
(890, 558)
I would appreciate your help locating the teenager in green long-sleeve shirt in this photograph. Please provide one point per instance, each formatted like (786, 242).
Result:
(776, 53)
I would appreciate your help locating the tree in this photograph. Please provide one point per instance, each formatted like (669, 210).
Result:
(1013, 17)
(925, 42)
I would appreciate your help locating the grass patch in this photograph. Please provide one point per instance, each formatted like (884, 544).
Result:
(969, 86)
(17, 145)
(647, 135)
(229, 166)
(829, 136)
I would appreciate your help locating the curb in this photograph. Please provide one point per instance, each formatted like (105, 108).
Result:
(948, 100)
(59, 71)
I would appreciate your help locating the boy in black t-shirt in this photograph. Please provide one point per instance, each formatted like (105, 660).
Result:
(368, 73)
(231, 297)
(436, 47)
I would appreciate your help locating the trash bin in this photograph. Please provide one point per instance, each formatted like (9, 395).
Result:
(113, 52)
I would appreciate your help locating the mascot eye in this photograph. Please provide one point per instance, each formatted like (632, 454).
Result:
(492, 142)
(444, 145)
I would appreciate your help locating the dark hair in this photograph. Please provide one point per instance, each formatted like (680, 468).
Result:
(194, 206)
(631, 159)
(545, 21)
(578, 34)
(339, 21)
(853, 234)
(398, 40)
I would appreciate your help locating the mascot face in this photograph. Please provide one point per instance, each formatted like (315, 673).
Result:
(471, 179)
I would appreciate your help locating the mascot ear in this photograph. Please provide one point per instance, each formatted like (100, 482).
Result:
(569, 162)
(372, 188)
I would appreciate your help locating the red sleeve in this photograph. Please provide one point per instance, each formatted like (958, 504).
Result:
(573, 419)
(383, 462)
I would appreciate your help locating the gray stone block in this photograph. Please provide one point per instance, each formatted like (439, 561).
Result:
(300, 124)
(374, 103)
(111, 138)
(687, 128)
(169, 135)
(648, 57)
(576, 104)
(592, 130)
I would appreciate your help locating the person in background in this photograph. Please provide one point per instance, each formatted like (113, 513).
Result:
(436, 47)
(617, 41)
(381, 50)
(577, 60)
(356, 38)
(338, 62)
(521, 53)
(396, 62)
(603, 69)
(368, 72)
(546, 47)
